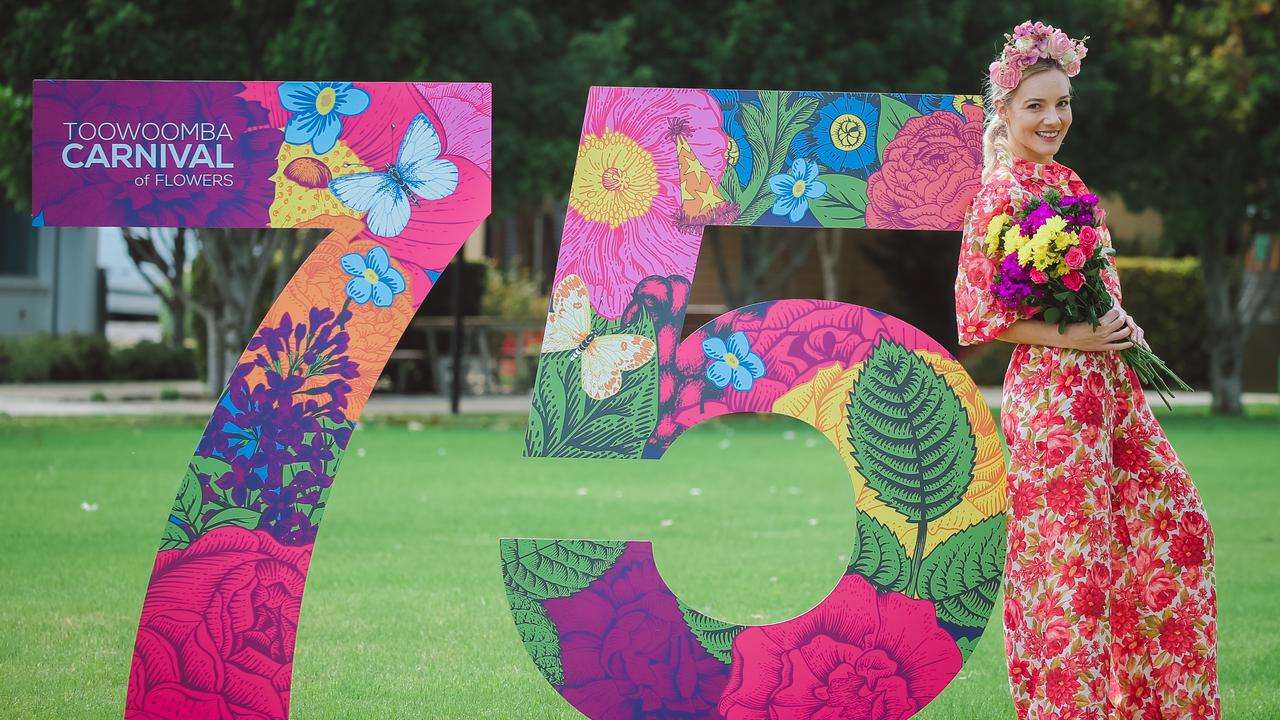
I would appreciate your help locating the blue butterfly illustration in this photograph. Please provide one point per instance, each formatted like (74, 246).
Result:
(418, 172)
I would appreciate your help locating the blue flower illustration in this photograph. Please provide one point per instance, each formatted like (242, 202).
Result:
(796, 188)
(316, 109)
(732, 362)
(373, 277)
(844, 137)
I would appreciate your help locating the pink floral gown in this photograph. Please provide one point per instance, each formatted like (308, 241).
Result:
(1110, 606)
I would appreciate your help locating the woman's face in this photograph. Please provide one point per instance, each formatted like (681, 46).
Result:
(1038, 114)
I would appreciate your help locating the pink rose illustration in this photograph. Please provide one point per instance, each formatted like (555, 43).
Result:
(217, 630)
(930, 174)
(857, 654)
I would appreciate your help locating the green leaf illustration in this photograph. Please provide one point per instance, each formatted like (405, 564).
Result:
(715, 636)
(174, 538)
(966, 646)
(845, 203)
(962, 575)
(538, 633)
(244, 517)
(567, 422)
(188, 506)
(879, 556)
(770, 128)
(545, 569)
(893, 115)
(911, 437)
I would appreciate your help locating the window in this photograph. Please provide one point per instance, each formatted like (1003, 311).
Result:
(17, 243)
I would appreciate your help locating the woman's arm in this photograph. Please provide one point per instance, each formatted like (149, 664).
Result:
(1112, 333)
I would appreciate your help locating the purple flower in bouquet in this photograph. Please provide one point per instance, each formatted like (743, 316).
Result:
(1080, 210)
(1036, 218)
(1015, 288)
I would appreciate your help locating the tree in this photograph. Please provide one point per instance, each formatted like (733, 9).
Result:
(1197, 139)
(164, 252)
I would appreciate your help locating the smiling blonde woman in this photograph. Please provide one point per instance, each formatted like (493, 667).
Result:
(1110, 604)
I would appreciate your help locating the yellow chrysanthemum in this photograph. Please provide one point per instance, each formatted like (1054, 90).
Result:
(1014, 241)
(1059, 270)
(994, 229)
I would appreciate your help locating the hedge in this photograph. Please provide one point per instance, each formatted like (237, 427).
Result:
(1165, 296)
(86, 358)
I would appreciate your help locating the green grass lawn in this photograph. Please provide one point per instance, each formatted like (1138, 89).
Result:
(405, 614)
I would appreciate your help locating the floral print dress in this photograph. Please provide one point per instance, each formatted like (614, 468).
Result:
(1110, 604)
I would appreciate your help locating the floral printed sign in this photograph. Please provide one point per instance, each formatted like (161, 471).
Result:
(656, 166)
(400, 173)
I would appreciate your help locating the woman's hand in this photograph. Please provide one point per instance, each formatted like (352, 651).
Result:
(1115, 331)
(1136, 333)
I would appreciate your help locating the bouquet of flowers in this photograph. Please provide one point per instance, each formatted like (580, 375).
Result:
(1052, 260)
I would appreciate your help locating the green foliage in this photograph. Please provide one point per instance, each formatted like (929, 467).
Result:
(567, 422)
(147, 360)
(878, 555)
(513, 294)
(1166, 297)
(911, 437)
(85, 357)
(715, 636)
(962, 575)
(543, 569)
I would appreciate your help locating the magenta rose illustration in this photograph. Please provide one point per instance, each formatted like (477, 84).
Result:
(216, 637)
(794, 338)
(627, 651)
(930, 173)
(858, 654)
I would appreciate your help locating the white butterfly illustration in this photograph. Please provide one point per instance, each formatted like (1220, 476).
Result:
(385, 195)
(604, 357)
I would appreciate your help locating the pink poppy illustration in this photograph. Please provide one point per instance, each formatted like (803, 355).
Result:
(857, 654)
(621, 226)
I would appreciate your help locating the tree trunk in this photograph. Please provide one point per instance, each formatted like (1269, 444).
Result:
(829, 246)
(216, 355)
(177, 320)
(1224, 336)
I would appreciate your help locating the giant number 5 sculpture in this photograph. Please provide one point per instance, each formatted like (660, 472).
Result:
(400, 172)
(654, 167)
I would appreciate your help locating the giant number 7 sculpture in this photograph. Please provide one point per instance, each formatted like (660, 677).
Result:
(655, 166)
(400, 172)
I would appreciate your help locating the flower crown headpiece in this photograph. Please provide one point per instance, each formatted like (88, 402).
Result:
(1030, 43)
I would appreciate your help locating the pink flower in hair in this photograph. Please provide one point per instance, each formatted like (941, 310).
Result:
(1005, 75)
(1031, 43)
(1058, 44)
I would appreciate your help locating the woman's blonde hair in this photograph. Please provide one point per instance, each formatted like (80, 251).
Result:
(996, 150)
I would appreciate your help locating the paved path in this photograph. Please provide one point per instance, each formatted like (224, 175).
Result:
(143, 398)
